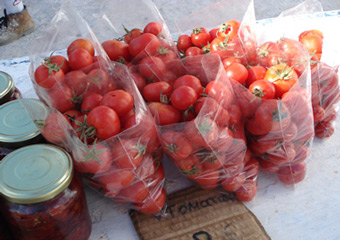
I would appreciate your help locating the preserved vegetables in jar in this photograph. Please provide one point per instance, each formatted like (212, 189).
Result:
(41, 197)
(8, 92)
(16, 127)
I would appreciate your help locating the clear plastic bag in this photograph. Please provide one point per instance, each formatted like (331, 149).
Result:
(97, 114)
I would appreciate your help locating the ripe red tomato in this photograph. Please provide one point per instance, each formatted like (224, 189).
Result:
(282, 154)
(153, 203)
(128, 153)
(80, 43)
(298, 106)
(312, 42)
(85, 133)
(248, 191)
(61, 98)
(262, 89)
(189, 80)
(293, 173)
(255, 73)
(212, 160)
(139, 81)
(76, 80)
(119, 100)
(176, 145)
(152, 68)
(135, 193)
(105, 120)
(201, 131)
(80, 58)
(311, 32)
(229, 29)
(94, 158)
(116, 49)
(183, 97)
(272, 115)
(238, 72)
(232, 184)
(47, 75)
(72, 114)
(60, 61)
(97, 81)
(324, 129)
(318, 113)
(144, 45)
(200, 37)
(193, 51)
(269, 166)
(90, 102)
(134, 33)
(183, 43)
(213, 33)
(154, 28)
(190, 166)
(157, 92)
(220, 92)
(115, 179)
(283, 77)
(266, 52)
(208, 179)
(164, 114)
(54, 128)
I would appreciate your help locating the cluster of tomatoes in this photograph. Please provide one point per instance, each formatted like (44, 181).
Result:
(99, 119)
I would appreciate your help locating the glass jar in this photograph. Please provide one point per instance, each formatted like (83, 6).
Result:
(16, 127)
(8, 91)
(41, 196)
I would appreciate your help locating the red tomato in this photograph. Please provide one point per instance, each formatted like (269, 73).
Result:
(237, 71)
(193, 51)
(128, 153)
(72, 114)
(105, 120)
(116, 49)
(153, 203)
(76, 81)
(157, 92)
(164, 114)
(313, 43)
(85, 133)
(318, 113)
(97, 81)
(115, 179)
(324, 129)
(282, 154)
(81, 43)
(154, 28)
(119, 100)
(54, 128)
(60, 61)
(152, 68)
(232, 184)
(269, 166)
(265, 51)
(183, 43)
(213, 33)
(229, 29)
(201, 131)
(47, 75)
(90, 102)
(61, 98)
(183, 97)
(208, 179)
(134, 33)
(200, 37)
(144, 45)
(272, 115)
(80, 58)
(255, 73)
(139, 81)
(219, 92)
(262, 89)
(248, 191)
(176, 145)
(253, 128)
(135, 193)
(234, 114)
(189, 80)
(190, 166)
(94, 158)
(212, 160)
(283, 77)
(311, 32)
(292, 174)
(262, 144)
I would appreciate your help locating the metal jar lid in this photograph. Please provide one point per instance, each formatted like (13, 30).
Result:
(35, 173)
(6, 87)
(16, 126)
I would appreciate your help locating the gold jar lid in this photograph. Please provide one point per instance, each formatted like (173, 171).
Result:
(6, 87)
(35, 173)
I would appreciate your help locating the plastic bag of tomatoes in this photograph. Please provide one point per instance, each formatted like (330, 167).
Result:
(97, 114)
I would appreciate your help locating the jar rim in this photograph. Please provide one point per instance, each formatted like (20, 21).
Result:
(6, 86)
